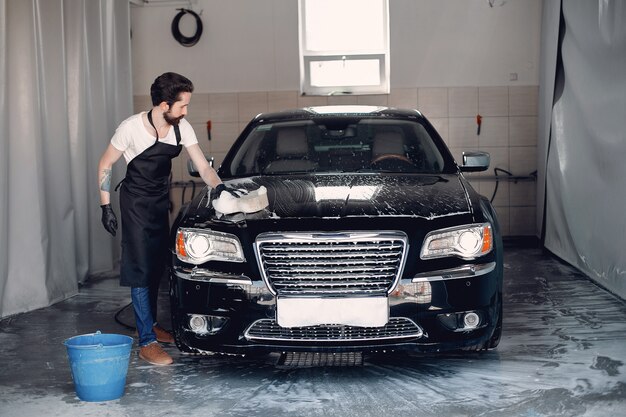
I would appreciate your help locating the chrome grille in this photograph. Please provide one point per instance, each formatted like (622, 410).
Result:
(348, 263)
(396, 328)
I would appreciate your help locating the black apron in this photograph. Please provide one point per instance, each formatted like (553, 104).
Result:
(144, 204)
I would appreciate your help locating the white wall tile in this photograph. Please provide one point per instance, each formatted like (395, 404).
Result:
(251, 104)
(182, 159)
(223, 107)
(462, 133)
(309, 101)
(343, 100)
(523, 131)
(487, 188)
(205, 147)
(457, 154)
(403, 98)
(522, 221)
(499, 159)
(433, 101)
(441, 126)
(473, 180)
(202, 135)
(198, 108)
(523, 193)
(494, 131)
(523, 160)
(463, 101)
(281, 100)
(493, 101)
(523, 100)
(186, 175)
(141, 103)
(223, 135)
(473, 177)
(503, 214)
(372, 100)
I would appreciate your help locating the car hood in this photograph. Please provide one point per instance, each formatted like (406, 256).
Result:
(323, 196)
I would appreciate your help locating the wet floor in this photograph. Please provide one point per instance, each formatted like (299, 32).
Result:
(562, 353)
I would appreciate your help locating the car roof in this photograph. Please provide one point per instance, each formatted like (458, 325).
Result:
(314, 112)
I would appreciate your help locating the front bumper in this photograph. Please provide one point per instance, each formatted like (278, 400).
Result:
(426, 314)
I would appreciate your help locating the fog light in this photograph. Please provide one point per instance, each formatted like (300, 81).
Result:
(198, 324)
(204, 325)
(471, 320)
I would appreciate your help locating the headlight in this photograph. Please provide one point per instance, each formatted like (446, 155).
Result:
(197, 246)
(467, 242)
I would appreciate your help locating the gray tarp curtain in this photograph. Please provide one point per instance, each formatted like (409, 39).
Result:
(583, 128)
(65, 73)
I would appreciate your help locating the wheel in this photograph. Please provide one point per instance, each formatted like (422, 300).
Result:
(493, 342)
(392, 162)
(387, 156)
(183, 347)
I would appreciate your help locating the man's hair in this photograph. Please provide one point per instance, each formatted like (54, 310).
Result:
(167, 88)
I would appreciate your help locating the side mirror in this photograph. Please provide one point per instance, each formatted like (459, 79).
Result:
(193, 171)
(475, 161)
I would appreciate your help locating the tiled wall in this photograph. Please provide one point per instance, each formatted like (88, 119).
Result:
(508, 133)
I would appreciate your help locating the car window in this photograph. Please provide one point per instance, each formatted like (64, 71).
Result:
(337, 145)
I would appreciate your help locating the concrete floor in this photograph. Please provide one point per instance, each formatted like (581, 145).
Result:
(562, 354)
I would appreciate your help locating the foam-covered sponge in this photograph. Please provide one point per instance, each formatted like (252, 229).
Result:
(251, 202)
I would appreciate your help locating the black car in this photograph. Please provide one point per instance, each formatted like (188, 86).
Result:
(363, 235)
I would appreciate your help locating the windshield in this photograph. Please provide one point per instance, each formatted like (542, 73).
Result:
(336, 145)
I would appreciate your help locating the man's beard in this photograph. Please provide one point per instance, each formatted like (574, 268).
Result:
(172, 120)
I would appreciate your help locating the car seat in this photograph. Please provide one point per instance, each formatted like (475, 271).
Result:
(292, 151)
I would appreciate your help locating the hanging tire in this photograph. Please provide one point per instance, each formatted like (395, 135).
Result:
(182, 39)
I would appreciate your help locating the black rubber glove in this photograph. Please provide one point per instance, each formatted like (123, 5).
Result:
(109, 221)
(221, 187)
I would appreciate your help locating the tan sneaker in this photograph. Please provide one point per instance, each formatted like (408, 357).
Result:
(162, 335)
(154, 354)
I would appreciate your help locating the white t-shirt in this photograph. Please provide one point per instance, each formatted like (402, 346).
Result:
(132, 138)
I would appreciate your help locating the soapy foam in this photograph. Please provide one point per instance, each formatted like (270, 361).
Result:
(249, 202)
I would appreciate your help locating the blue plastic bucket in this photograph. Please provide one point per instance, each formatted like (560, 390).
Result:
(99, 365)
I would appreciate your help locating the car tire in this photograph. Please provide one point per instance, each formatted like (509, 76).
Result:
(180, 344)
(494, 340)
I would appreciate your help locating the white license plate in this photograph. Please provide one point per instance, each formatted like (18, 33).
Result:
(352, 311)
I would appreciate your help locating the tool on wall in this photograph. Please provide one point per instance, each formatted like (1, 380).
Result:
(208, 130)
(479, 121)
(182, 39)
(511, 178)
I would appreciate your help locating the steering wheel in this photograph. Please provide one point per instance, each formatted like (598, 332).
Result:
(387, 156)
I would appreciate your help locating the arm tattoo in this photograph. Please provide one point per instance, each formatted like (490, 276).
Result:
(105, 181)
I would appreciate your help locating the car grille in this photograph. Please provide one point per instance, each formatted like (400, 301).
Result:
(344, 263)
(396, 328)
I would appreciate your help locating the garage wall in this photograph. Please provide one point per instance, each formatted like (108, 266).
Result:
(253, 45)
(452, 60)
